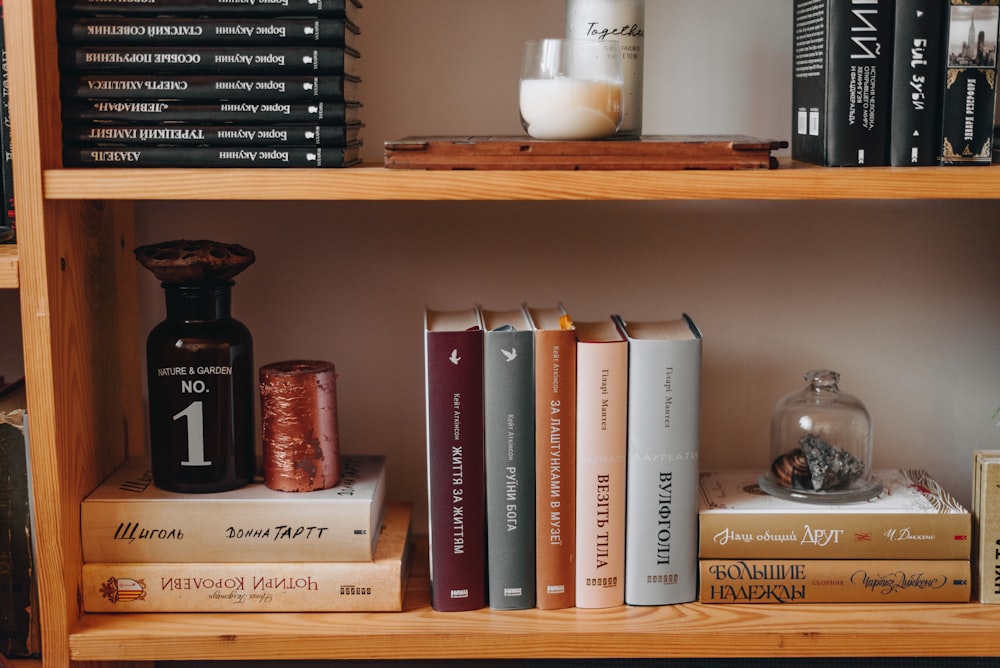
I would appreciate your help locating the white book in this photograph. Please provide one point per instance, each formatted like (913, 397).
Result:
(128, 519)
(602, 395)
(664, 380)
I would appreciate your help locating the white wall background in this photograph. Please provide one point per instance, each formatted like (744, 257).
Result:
(902, 298)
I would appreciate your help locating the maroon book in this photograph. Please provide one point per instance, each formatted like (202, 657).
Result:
(456, 459)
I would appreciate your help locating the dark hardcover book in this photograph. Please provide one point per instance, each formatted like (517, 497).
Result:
(9, 218)
(347, 8)
(6, 237)
(214, 30)
(841, 91)
(210, 156)
(453, 366)
(919, 49)
(249, 113)
(19, 635)
(970, 83)
(243, 59)
(209, 87)
(509, 378)
(106, 134)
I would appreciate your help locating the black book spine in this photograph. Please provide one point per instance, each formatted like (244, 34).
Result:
(250, 113)
(6, 232)
(336, 8)
(262, 157)
(108, 135)
(246, 59)
(920, 47)
(9, 218)
(970, 83)
(216, 30)
(190, 88)
(841, 95)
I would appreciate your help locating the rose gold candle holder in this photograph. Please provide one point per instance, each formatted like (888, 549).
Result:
(301, 443)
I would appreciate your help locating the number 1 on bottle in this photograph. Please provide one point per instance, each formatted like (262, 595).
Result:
(195, 435)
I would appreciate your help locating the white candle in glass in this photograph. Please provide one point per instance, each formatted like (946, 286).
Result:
(571, 89)
(567, 108)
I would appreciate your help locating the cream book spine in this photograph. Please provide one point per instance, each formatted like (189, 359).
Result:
(602, 395)
(913, 518)
(128, 519)
(986, 525)
(834, 581)
(378, 585)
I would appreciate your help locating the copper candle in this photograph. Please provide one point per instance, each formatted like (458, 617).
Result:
(298, 401)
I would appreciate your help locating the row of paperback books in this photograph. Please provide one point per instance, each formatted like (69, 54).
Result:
(562, 459)
(251, 549)
(894, 82)
(209, 83)
(912, 543)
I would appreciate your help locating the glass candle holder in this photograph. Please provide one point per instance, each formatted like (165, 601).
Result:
(571, 89)
(821, 445)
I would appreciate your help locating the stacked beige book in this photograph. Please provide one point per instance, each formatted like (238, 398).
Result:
(251, 549)
(912, 543)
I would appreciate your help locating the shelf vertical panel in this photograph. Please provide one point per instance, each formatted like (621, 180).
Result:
(78, 326)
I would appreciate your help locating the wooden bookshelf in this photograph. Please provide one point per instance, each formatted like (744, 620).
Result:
(82, 360)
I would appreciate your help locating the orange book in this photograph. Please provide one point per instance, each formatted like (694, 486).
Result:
(555, 457)
(601, 427)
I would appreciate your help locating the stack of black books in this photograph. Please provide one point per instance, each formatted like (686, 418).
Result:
(209, 83)
(896, 83)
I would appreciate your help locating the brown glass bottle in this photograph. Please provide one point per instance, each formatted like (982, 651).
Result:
(199, 364)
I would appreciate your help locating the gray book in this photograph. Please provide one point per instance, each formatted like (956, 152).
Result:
(510, 459)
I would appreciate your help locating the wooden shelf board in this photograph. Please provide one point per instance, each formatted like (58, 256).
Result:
(792, 181)
(8, 266)
(691, 630)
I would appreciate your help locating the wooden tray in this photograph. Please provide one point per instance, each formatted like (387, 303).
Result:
(647, 152)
